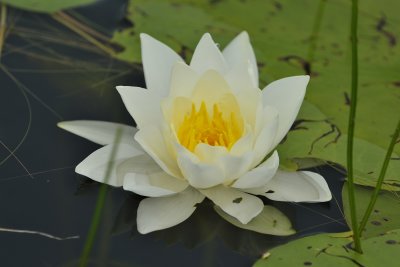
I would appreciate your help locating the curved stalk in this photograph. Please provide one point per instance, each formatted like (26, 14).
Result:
(379, 183)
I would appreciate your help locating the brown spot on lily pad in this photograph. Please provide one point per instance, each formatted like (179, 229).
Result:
(376, 223)
(237, 200)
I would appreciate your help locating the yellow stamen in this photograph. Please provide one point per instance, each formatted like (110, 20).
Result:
(216, 130)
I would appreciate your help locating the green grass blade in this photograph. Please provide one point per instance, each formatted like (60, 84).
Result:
(99, 205)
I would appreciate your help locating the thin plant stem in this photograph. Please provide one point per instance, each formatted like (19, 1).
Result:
(83, 27)
(315, 30)
(3, 24)
(84, 260)
(379, 183)
(72, 26)
(352, 116)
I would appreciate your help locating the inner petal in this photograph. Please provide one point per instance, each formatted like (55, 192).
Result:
(223, 126)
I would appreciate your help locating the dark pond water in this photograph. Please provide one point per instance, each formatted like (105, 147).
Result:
(47, 75)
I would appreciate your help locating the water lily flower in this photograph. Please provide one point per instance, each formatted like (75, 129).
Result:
(204, 130)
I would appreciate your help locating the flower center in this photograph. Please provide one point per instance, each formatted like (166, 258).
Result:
(217, 129)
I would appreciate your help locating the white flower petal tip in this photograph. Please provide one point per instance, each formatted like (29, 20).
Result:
(99, 132)
(301, 186)
(96, 164)
(158, 60)
(286, 95)
(207, 56)
(239, 53)
(238, 204)
(163, 212)
(142, 104)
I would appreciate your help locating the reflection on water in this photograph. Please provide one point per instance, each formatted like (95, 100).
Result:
(45, 81)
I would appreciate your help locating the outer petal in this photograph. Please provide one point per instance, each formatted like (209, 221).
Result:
(95, 165)
(286, 95)
(159, 213)
(240, 52)
(158, 60)
(142, 104)
(154, 143)
(100, 132)
(302, 186)
(260, 175)
(207, 56)
(143, 176)
(240, 205)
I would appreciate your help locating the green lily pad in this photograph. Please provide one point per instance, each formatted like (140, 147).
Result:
(332, 251)
(292, 38)
(384, 217)
(46, 6)
(270, 221)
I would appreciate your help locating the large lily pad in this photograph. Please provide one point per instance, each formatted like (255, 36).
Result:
(385, 216)
(296, 37)
(331, 251)
(46, 6)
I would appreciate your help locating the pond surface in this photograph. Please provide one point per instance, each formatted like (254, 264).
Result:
(48, 74)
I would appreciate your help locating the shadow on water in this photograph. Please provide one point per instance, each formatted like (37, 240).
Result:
(53, 75)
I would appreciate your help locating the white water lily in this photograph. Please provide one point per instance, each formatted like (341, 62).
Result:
(203, 130)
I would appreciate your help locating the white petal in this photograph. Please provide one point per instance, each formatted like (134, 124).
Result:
(260, 175)
(158, 60)
(250, 102)
(244, 143)
(240, 205)
(302, 186)
(154, 184)
(229, 165)
(240, 52)
(143, 176)
(286, 95)
(100, 132)
(211, 88)
(95, 165)
(183, 80)
(266, 136)
(143, 105)
(210, 154)
(163, 212)
(207, 56)
(155, 144)
(235, 166)
(199, 174)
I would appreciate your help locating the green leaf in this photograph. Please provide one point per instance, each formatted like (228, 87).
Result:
(332, 251)
(385, 216)
(270, 221)
(289, 42)
(46, 6)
